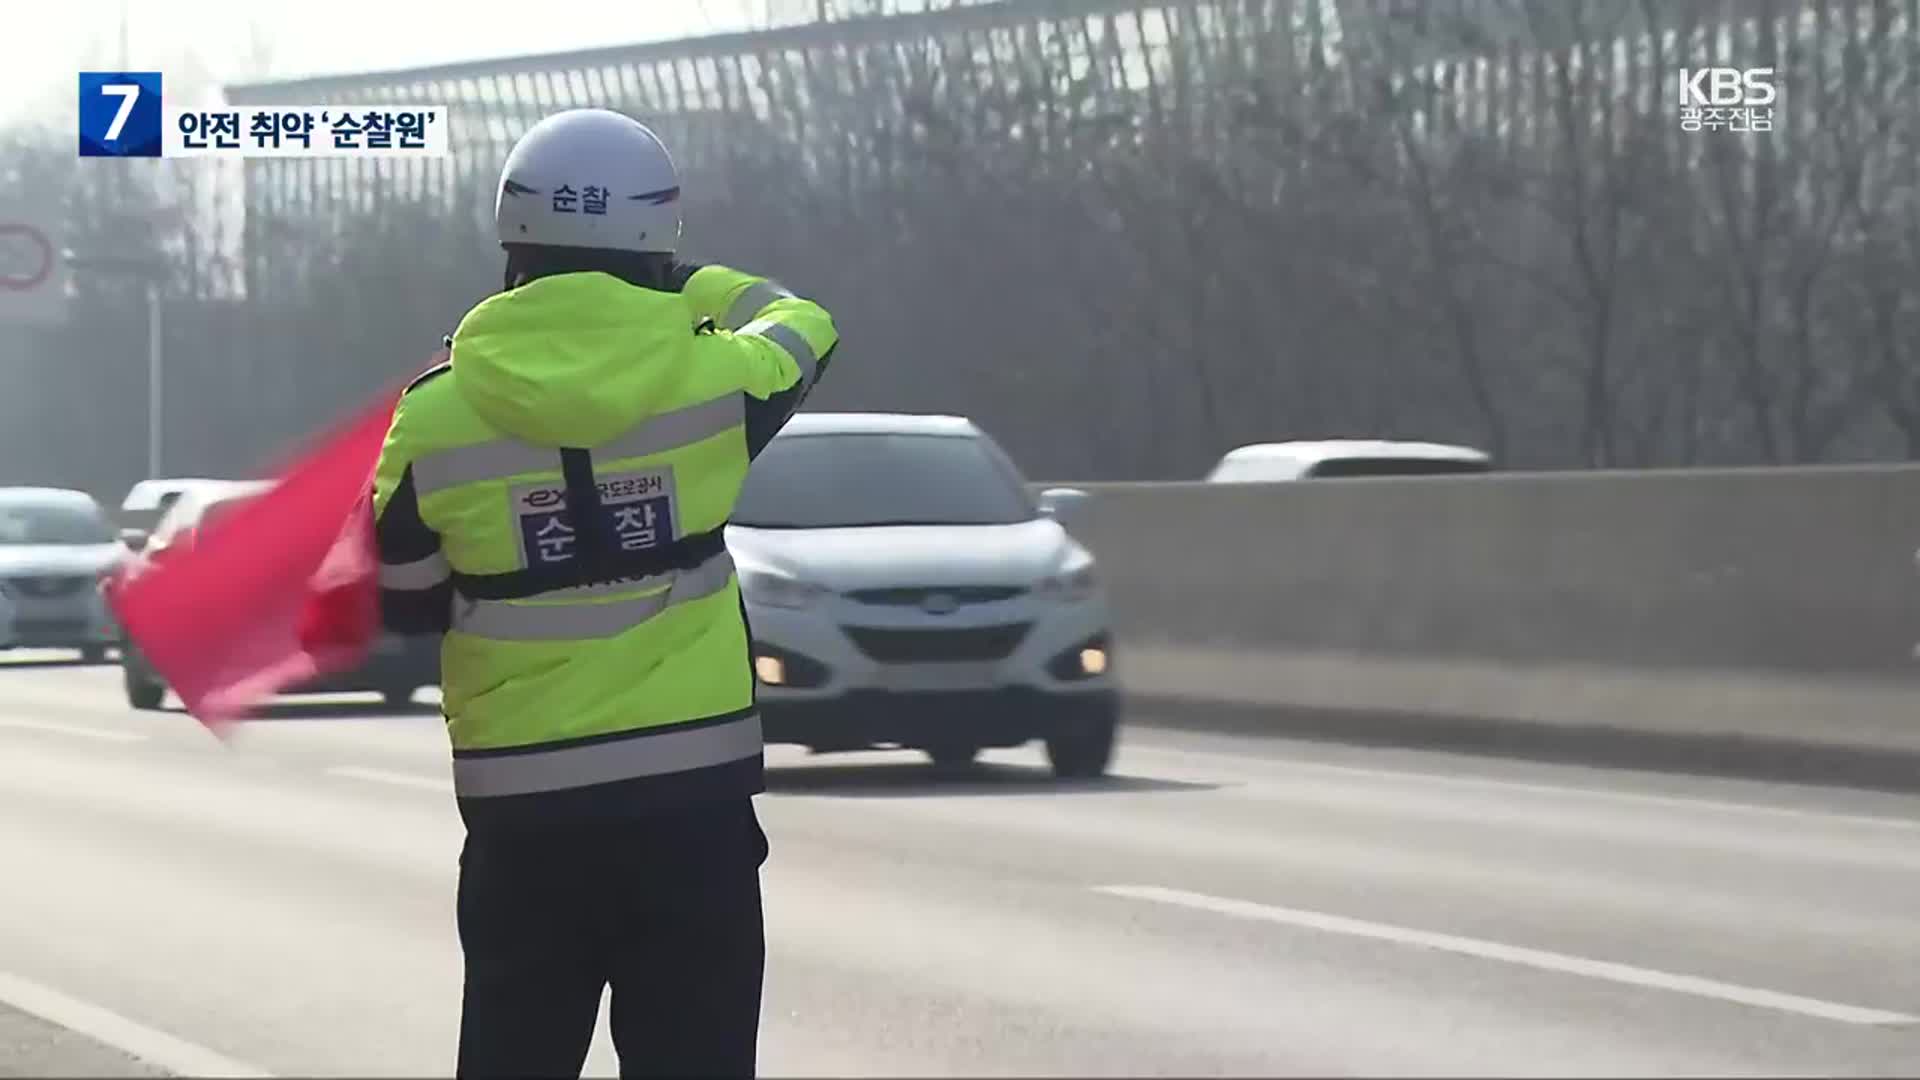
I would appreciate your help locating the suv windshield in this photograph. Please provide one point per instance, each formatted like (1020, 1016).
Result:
(844, 481)
(47, 523)
(219, 508)
(196, 512)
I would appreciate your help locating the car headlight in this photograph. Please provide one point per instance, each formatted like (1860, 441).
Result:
(1070, 586)
(778, 590)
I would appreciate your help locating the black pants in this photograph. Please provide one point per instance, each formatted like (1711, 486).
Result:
(665, 909)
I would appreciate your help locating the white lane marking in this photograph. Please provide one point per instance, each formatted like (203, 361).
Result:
(1485, 783)
(175, 1055)
(1514, 954)
(103, 734)
(397, 779)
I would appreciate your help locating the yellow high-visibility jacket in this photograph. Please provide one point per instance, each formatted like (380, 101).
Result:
(552, 499)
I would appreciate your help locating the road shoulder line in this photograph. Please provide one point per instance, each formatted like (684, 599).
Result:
(173, 1054)
(1561, 963)
(78, 731)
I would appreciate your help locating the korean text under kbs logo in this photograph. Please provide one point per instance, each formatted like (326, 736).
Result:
(120, 114)
(1726, 99)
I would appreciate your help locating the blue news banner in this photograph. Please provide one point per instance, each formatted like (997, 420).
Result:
(124, 114)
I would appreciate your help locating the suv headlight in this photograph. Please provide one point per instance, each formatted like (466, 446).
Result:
(778, 590)
(1071, 586)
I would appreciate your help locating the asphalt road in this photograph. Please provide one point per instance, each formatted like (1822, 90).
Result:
(1222, 906)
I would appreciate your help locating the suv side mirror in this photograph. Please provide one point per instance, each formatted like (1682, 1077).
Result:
(134, 539)
(1061, 503)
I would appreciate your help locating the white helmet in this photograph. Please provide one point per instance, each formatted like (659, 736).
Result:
(589, 178)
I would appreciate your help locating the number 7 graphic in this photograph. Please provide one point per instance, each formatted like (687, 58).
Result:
(121, 114)
(128, 93)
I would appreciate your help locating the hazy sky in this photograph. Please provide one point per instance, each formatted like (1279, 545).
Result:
(44, 42)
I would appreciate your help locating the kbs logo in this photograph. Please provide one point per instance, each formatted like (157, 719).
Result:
(1730, 99)
(1746, 87)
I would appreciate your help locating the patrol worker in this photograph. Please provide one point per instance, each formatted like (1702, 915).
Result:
(552, 499)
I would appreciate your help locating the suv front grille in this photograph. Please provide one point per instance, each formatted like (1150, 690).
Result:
(46, 587)
(916, 595)
(932, 646)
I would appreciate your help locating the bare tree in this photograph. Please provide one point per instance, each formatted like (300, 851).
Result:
(1126, 235)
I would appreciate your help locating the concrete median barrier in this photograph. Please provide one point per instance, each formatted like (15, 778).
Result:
(1739, 612)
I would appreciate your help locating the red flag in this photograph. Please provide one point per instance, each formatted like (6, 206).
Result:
(280, 590)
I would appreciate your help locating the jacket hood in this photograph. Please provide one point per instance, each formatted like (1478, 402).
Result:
(573, 359)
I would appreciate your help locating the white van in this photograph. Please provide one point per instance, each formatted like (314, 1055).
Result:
(1267, 463)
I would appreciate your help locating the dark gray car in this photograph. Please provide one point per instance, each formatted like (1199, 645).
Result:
(55, 545)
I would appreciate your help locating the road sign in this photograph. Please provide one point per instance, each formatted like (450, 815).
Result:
(33, 283)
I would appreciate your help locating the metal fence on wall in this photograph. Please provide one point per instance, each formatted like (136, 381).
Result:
(837, 91)
(836, 102)
(859, 155)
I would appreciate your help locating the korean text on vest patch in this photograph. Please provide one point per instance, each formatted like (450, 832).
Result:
(637, 514)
